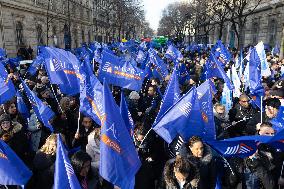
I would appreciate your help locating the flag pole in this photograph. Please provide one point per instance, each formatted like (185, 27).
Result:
(261, 110)
(56, 99)
(281, 172)
(146, 135)
(78, 127)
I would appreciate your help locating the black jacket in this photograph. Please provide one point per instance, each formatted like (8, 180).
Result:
(44, 166)
(259, 167)
(206, 166)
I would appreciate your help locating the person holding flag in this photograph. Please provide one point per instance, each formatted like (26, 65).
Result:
(272, 106)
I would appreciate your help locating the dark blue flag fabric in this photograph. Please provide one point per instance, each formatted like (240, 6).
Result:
(222, 52)
(141, 56)
(173, 53)
(172, 95)
(214, 68)
(13, 171)
(64, 175)
(120, 72)
(63, 69)
(255, 86)
(239, 148)
(126, 116)
(21, 106)
(158, 63)
(37, 62)
(7, 89)
(91, 94)
(205, 99)
(42, 111)
(119, 161)
(182, 118)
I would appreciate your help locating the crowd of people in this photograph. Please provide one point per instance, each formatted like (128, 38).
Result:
(180, 165)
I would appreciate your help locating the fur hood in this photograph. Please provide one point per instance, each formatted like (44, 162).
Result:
(16, 127)
(170, 180)
(206, 158)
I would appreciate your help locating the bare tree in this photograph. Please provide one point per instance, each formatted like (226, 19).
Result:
(175, 20)
(239, 12)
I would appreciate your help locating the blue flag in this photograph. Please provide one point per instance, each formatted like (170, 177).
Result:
(173, 53)
(158, 63)
(37, 62)
(183, 74)
(7, 89)
(64, 175)
(204, 93)
(172, 94)
(126, 116)
(13, 171)
(21, 106)
(182, 118)
(255, 85)
(214, 69)
(63, 68)
(120, 73)
(42, 111)
(91, 94)
(234, 147)
(222, 52)
(119, 161)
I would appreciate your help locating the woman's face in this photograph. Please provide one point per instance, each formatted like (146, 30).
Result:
(85, 169)
(197, 149)
(52, 145)
(12, 109)
(6, 125)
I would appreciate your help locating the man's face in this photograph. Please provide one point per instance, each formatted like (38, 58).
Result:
(266, 131)
(151, 91)
(244, 102)
(87, 122)
(220, 110)
(271, 112)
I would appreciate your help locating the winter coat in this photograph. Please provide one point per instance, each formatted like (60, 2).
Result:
(82, 141)
(35, 132)
(170, 182)
(93, 149)
(145, 177)
(238, 113)
(18, 141)
(250, 173)
(206, 166)
(251, 125)
(221, 123)
(44, 166)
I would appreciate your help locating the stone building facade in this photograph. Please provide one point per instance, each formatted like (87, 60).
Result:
(26, 23)
(265, 24)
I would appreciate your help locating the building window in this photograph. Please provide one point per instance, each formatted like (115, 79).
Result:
(254, 32)
(19, 33)
(272, 30)
(39, 35)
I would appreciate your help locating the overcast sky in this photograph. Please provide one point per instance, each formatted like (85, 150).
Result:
(153, 9)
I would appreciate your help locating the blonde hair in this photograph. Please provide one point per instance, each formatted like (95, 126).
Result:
(96, 133)
(49, 147)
